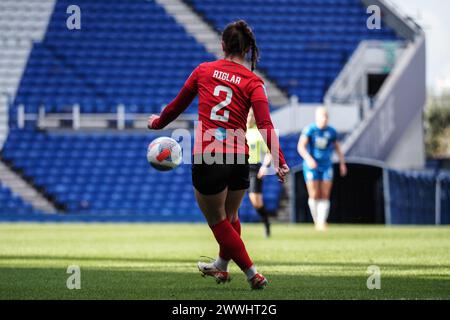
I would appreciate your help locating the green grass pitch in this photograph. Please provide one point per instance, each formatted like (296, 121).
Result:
(158, 261)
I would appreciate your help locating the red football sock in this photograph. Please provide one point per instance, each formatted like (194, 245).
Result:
(236, 224)
(231, 244)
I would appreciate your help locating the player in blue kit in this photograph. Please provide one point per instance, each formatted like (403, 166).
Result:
(316, 145)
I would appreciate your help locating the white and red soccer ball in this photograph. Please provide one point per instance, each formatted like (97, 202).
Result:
(164, 154)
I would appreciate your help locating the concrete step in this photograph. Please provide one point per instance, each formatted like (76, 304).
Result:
(25, 190)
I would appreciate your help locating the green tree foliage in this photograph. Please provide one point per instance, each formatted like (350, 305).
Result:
(437, 119)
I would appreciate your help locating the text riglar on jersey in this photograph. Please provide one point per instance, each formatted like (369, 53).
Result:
(226, 77)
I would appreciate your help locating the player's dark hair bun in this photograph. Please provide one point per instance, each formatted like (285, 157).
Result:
(238, 39)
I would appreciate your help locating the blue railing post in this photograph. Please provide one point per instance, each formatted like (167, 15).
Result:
(438, 200)
(387, 197)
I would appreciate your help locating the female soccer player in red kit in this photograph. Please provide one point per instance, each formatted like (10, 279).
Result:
(220, 170)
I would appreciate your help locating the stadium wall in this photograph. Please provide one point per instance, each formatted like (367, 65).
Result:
(372, 57)
(400, 101)
(393, 117)
(410, 148)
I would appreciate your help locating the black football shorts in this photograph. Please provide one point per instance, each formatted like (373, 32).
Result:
(256, 184)
(210, 179)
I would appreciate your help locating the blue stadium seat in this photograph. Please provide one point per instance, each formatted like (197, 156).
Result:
(304, 43)
(132, 53)
(107, 174)
(13, 206)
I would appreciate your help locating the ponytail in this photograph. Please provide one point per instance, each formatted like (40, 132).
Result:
(238, 39)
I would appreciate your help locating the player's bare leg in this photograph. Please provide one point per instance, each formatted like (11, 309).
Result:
(232, 203)
(323, 206)
(314, 194)
(212, 206)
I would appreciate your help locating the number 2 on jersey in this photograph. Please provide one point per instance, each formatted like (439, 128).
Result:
(221, 105)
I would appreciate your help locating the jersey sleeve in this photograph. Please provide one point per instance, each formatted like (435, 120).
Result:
(174, 108)
(257, 91)
(192, 82)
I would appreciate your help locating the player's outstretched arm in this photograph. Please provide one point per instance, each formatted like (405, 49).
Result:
(342, 165)
(265, 165)
(303, 151)
(172, 110)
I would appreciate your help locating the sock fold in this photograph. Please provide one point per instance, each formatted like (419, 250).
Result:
(236, 224)
(221, 264)
(250, 272)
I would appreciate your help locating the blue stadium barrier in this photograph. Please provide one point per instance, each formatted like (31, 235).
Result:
(413, 197)
(444, 179)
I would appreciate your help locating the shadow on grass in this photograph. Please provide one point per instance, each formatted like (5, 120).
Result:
(362, 265)
(115, 283)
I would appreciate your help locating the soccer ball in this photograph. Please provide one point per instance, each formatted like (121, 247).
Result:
(164, 154)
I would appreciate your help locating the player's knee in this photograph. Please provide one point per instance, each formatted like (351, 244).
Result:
(325, 196)
(325, 193)
(214, 217)
(314, 194)
(232, 216)
(231, 213)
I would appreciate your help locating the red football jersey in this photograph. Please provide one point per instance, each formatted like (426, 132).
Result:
(226, 91)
